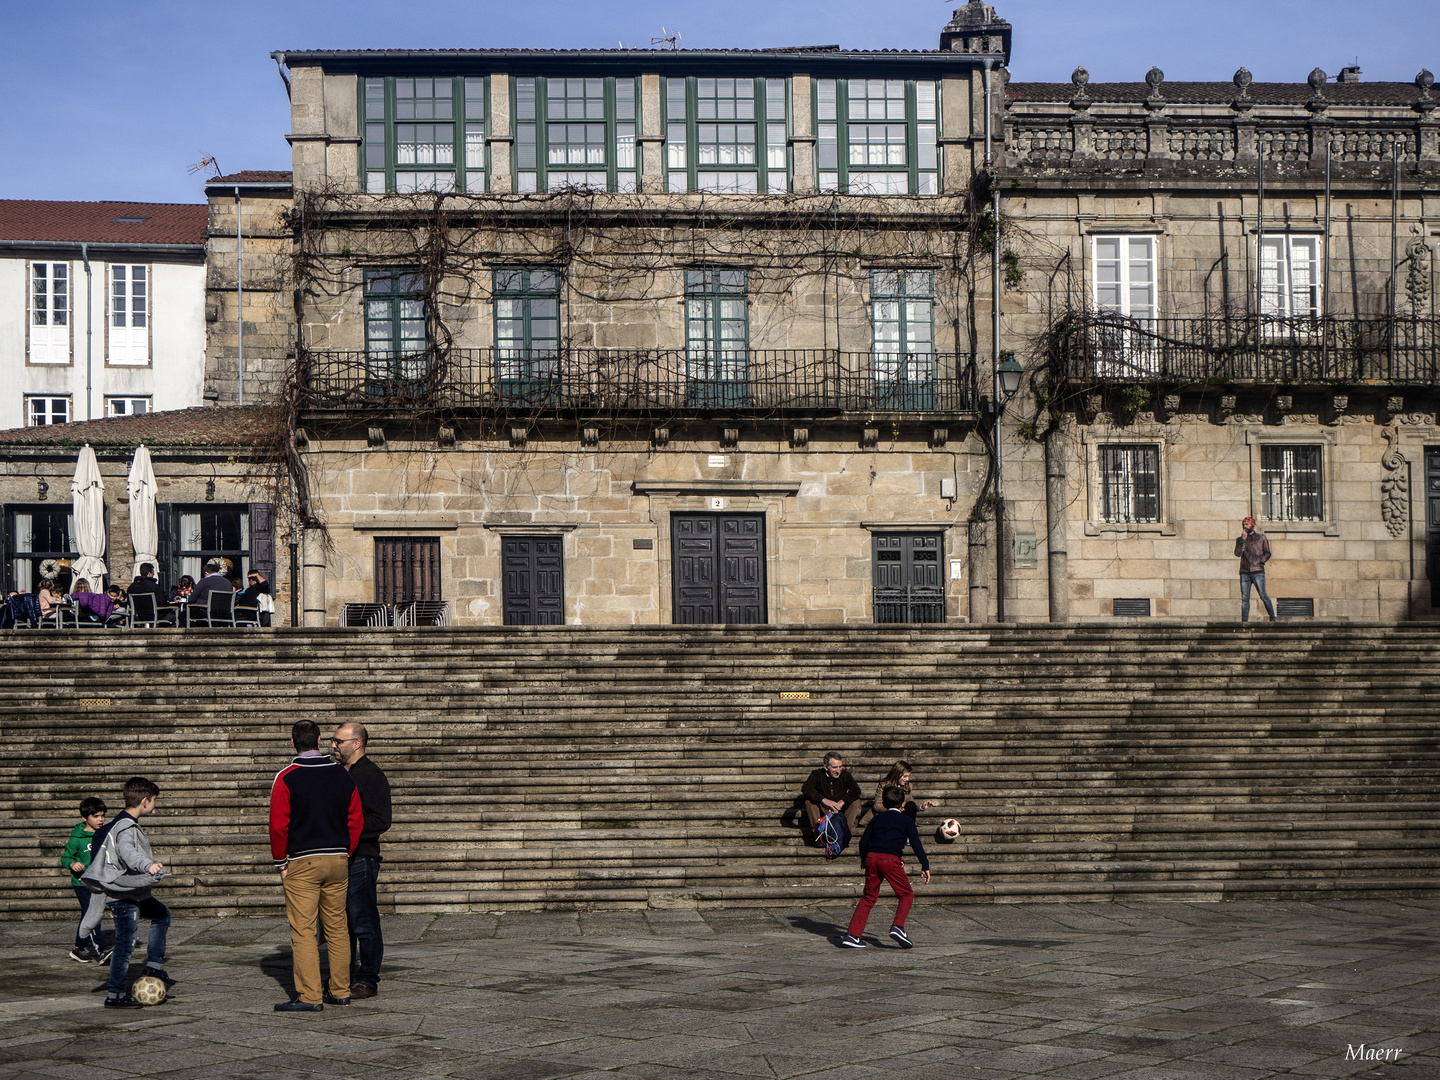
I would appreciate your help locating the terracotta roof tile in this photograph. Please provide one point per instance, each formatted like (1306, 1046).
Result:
(230, 427)
(102, 222)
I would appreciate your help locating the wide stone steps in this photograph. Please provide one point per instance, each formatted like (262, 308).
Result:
(564, 767)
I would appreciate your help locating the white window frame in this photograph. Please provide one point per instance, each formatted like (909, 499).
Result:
(125, 405)
(128, 327)
(1126, 353)
(49, 339)
(40, 409)
(1289, 285)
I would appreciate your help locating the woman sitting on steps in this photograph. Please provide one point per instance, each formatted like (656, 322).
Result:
(898, 776)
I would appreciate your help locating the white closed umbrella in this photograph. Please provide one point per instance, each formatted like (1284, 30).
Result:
(144, 533)
(88, 492)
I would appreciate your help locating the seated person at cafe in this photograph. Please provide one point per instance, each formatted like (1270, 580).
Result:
(149, 584)
(50, 596)
(116, 594)
(257, 595)
(183, 589)
(214, 581)
(91, 606)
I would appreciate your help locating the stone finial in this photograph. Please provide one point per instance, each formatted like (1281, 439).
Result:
(1317, 80)
(1243, 100)
(1153, 78)
(1080, 78)
(1423, 82)
(976, 28)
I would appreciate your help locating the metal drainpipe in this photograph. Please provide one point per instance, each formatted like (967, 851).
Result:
(89, 329)
(240, 296)
(995, 365)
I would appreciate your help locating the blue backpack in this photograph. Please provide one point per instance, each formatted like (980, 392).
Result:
(834, 831)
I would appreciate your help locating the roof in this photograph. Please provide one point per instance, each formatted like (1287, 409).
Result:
(253, 176)
(1220, 93)
(102, 222)
(231, 426)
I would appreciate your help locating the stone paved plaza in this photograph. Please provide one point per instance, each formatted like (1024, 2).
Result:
(1065, 990)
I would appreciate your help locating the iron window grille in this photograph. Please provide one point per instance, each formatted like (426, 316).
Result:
(41, 411)
(34, 534)
(49, 313)
(717, 338)
(575, 133)
(527, 333)
(909, 587)
(727, 135)
(407, 569)
(424, 134)
(1290, 483)
(903, 333)
(877, 136)
(1129, 484)
(396, 331)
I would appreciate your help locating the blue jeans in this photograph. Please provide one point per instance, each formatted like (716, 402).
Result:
(362, 910)
(1258, 579)
(127, 915)
(94, 939)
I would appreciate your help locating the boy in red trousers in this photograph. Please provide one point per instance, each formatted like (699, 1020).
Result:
(880, 850)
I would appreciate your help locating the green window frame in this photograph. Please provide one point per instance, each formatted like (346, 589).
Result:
(575, 132)
(395, 322)
(726, 135)
(527, 325)
(423, 133)
(877, 136)
(717, 337)
(902, 360)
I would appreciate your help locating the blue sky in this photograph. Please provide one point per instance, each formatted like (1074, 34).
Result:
(114, 100)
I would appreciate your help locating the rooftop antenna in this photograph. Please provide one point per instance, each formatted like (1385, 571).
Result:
(670, 39)
(206, 162)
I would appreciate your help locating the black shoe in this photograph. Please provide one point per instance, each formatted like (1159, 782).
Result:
(162, 975)
(81, 954)
(331, 999)
(104, 953)
(294, 1005)
(125, 1003)
(850, 941)
(898, 933)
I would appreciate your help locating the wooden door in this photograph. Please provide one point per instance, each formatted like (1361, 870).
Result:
(719, 568)
(533, 579)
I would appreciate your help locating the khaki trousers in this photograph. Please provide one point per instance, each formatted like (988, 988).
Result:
(315, 889)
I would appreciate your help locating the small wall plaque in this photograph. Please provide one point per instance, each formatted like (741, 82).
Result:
(1027, 551)
(717, 461)
(644, 543)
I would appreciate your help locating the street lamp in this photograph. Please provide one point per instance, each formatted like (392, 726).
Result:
(1010, 375)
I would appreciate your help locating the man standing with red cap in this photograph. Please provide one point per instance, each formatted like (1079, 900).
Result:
(1253, 551)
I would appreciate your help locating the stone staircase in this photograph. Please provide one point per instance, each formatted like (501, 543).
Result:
(659, 766)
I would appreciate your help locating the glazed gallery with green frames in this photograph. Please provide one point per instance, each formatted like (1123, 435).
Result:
(725, 135)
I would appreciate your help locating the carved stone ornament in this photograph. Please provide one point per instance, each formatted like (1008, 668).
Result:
(799, 437)
(729, 437)
(1338, 404)
(1424, 81)
(1169, 406)
(590, 436)
(1417, 278)
(519, 436)
(1318, 101)
(1080, 78)
(1243, 101)
(1284, 404)
(374, 436)
(660, 436)
(869, 437)
(1153, 78)
(1395, 488)
(445, 437)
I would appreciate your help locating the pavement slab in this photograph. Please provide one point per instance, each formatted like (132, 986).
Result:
(1121, 991)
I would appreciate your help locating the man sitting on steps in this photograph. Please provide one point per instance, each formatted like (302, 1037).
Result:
(831, 787)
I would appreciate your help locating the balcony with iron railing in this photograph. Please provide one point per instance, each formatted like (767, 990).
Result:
(1100, 347)
(648, 382)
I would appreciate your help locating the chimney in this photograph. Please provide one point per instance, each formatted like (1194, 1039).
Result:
(975, 28)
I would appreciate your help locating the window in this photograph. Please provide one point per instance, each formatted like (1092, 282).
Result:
(127, 406)
(726, 135)
(527, 330)
(36, 533)
(717, 338)
(424, 134)
(1290, 487)
(1290, 276)
(903, 359)
(395, 329)
(212, 532)
(877, 136)
(129, 315)
(49, 313)
(407, 569)
(909, 587)
(40, 411)
(1125, 286)
(1129, 484)
(575, 133)
(534, 580)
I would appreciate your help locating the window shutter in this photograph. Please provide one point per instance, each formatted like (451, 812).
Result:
(7, 568)
(165, 569)
(262, 540)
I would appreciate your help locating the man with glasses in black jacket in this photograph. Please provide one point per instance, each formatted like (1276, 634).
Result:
(362, 906)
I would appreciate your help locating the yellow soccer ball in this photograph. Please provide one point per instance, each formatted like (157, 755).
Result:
(148, 990)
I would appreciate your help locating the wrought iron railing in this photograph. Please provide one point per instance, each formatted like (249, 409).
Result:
(654, 381)
(1101, 347)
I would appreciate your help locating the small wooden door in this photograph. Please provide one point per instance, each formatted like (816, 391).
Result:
(719, 568)
(534, 580)
(909, 587)
(406, 569)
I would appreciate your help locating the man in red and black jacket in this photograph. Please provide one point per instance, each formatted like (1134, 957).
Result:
(315, 822)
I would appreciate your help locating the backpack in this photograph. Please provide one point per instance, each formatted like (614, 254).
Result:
(834, 831)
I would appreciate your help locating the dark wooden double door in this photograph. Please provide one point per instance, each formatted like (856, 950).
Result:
(533, 568)
(719, 568)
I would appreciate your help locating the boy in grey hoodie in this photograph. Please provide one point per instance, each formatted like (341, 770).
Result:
(123, 868)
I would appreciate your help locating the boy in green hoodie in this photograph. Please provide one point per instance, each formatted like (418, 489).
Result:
(89, 947)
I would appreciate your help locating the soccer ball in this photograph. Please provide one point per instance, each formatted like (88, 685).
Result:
(148, 990)
(948, 831)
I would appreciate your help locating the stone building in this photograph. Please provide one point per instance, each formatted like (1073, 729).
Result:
(644, 336)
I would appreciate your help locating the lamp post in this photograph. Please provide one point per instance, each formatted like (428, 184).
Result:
(1008, 374)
